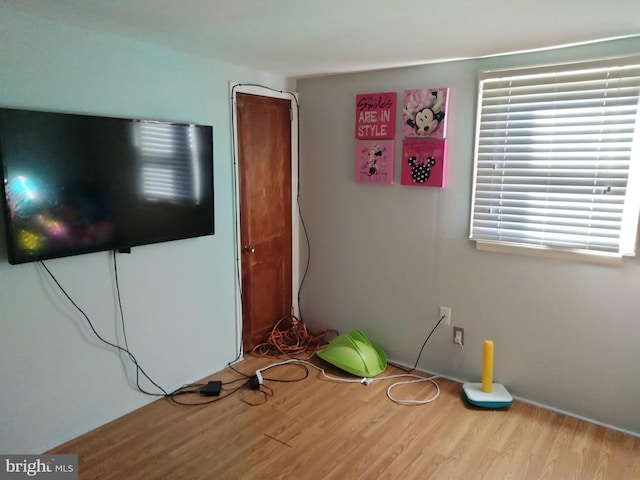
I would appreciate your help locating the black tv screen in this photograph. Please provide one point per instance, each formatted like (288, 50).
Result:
(77, 184)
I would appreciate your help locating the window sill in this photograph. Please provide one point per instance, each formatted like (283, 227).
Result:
(542, 251)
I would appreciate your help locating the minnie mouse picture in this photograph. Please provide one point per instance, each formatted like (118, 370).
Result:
(374, 161)
(424, 113)
(374, 154)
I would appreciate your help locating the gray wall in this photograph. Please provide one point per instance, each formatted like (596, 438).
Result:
(384, 258)
(57, 380)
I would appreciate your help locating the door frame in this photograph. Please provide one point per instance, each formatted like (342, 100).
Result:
(262, 90)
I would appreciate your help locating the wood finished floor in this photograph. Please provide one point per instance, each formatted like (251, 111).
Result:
(318, 429)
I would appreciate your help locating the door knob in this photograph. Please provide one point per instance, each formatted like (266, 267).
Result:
(248, 249)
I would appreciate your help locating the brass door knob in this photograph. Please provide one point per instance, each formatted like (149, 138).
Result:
(248, 249)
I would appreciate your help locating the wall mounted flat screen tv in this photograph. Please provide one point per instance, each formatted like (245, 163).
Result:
(77, 184)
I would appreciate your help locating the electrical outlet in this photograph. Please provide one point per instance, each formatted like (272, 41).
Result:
(458, 335)
(446, 313)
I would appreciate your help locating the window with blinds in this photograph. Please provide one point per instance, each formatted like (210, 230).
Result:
(556, 158)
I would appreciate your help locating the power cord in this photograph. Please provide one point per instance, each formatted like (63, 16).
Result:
(366, 381)
(259, 377)
(290, 336)
(139, 369)
(194, 388)
(124, 335)
(200, 389)
(415, 365)
(254, 382)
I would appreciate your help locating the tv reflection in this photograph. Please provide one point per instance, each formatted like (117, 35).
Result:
(49, 218)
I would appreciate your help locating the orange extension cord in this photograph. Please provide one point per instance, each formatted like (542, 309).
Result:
(289, 337)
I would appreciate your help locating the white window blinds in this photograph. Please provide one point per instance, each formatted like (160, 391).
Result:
(556, 157)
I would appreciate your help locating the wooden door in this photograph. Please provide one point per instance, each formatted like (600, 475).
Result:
(264, 165)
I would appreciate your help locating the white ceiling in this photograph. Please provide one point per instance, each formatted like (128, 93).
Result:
(301, 38)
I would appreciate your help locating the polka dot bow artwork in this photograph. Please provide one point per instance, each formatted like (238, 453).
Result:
(423, 162)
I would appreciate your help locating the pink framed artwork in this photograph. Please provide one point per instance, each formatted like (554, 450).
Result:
(376, 115)
(423, 162)
(374, 161)
(424, 113)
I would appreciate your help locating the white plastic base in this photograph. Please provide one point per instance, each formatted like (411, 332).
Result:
(499, 396)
